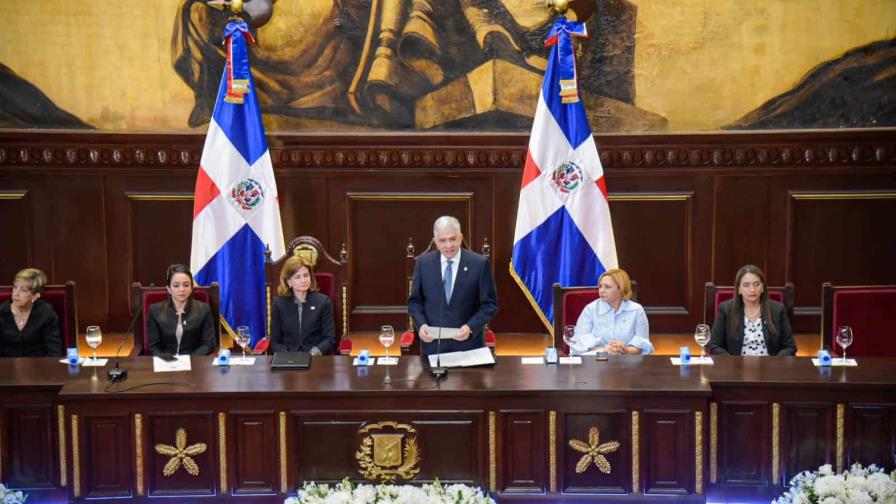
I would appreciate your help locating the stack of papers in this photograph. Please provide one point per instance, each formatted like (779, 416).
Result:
(478, 357)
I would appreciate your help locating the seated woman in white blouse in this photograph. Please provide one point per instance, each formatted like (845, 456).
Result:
(613, 323)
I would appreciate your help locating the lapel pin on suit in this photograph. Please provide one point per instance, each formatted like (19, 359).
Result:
(313, 307)
(465, 268)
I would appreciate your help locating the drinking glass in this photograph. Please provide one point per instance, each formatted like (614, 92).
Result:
(94, 337)
(569, 337)
(701, 336)
(243, 337)
(387, 337)
(844, 339)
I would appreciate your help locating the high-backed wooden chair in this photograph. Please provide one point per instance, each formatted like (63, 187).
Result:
(144, 297)
(568, 305)
(408, 341)
(718, 294)
(871, 312)
(331, 277)
(62, 299)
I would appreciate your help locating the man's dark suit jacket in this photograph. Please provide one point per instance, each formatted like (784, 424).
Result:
(199, 329)
(725, 342)
(474, 300)
(318, 328)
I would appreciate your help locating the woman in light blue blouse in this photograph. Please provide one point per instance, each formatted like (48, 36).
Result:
(613, 323)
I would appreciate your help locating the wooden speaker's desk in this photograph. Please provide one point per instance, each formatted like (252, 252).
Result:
(633, 428)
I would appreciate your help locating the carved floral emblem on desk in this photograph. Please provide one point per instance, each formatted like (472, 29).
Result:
(181, 454)
(593, 451)
(388, 451)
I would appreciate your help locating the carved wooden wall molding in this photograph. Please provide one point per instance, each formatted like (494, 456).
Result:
(486, 150)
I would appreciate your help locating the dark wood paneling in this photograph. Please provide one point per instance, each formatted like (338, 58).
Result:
(808, 437)
(873, 435)
(255, 452)
(157, 227)
(327, 447)
(741, 226)
(16, 248)
(162, 429)
(613, 425)
(669, 440)
(106, 447)
(667, 218)
(742, 208)
(743, 442)
(523, 454)
(827, 226)
(32, 445)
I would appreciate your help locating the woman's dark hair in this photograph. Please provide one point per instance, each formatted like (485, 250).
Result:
(172, 270)
(175, 269)
(737, 312)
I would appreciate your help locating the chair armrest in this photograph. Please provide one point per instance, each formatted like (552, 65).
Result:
(490, 338)
(406, 340)
(261, 347)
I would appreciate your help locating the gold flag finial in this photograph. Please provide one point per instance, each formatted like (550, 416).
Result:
(574, 10)
(235, 6)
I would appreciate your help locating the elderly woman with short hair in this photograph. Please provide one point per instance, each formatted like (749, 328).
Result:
(29, 327)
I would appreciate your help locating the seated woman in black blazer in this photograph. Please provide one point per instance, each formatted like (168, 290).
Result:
(180, 325)
(751, 323)
(301, 318)
(29, 327)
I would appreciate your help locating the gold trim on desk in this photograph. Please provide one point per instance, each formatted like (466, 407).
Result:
(713, 442)
(846, 195)
(684, 196)
(552, 451)
(492, 452)
(841, 420)
(282, 436)
(345, 312)
(76, 459)
(698, 452)
(160, 196)
(138, 450)
(776, 443)
(12, 195)
(222, 450)
(636, 451)
(63, 463)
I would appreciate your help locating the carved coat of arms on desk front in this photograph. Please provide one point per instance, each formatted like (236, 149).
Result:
(389, 450)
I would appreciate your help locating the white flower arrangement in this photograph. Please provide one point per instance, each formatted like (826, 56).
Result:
(348, 493)
(858, 485)
(10, 496)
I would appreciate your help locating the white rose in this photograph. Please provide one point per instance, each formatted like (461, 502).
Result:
(365, 494)
(831, 500)
(829, 486)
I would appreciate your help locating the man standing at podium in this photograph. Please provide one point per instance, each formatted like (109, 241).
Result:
(453, 294)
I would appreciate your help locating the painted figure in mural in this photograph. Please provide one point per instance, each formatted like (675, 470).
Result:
(410, 63)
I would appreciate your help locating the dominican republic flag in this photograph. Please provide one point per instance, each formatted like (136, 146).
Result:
(236, 210)
(563, 229)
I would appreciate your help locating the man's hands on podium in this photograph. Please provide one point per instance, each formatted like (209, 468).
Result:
(463, 335)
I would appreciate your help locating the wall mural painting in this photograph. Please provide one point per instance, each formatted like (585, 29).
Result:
(405, 64)
(455, 65)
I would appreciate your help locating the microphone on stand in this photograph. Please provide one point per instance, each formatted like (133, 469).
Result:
(117, 372)
(439, 371)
